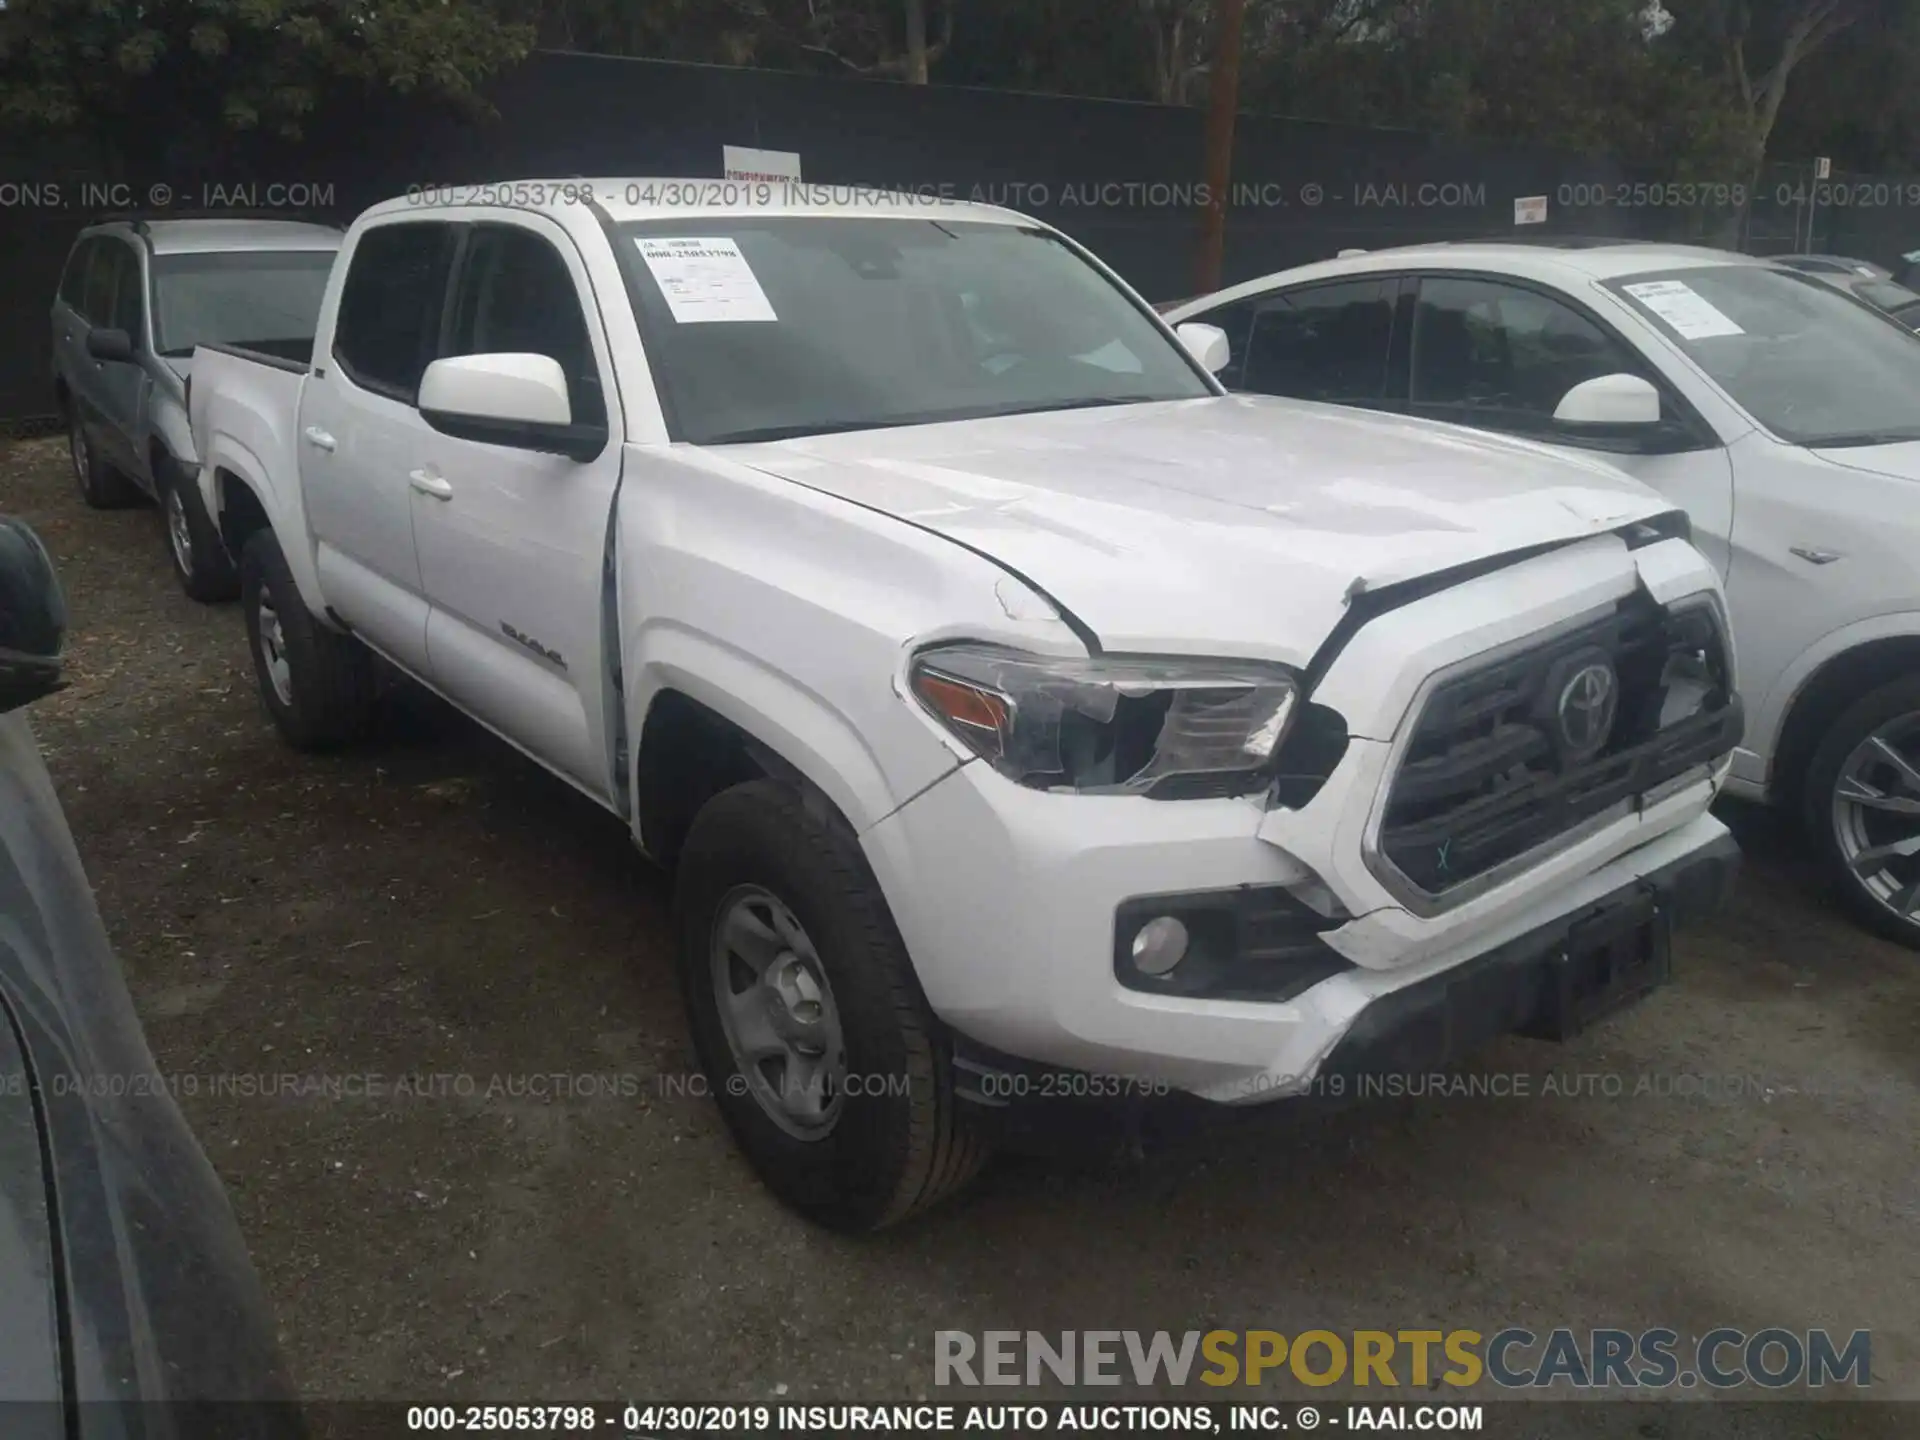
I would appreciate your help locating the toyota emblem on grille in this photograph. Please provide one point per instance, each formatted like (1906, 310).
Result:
(1588, 702)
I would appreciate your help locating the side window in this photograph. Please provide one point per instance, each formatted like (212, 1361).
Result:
(96, 288)
(1236, 319)
(1327, 342)
(129, 303)
(1502, 356)
(73, 280)
(390, 306)
(516, 295)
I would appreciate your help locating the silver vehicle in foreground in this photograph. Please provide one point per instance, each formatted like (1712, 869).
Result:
(135, 298)
(128, 1305)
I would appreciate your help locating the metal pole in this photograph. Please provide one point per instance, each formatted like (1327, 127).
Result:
(1225, 103)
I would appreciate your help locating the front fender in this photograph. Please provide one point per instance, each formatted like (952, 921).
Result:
(798, 724)
(1754, 764)
(167, 420)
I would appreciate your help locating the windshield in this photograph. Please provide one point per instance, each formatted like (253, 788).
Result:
(1812, 364)
(1885, 294)
(237, 298)
(763, 327)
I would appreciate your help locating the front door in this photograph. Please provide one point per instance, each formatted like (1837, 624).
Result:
(512, 542)
(105, 393)
(1501, 356)
(123, 386)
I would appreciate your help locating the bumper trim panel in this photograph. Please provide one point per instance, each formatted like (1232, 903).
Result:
(1438, 1021)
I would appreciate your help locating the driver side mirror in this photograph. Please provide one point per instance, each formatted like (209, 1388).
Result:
(33, 619)
(508, 398)
(1206, 343)
(111, 345)
(1608, 401)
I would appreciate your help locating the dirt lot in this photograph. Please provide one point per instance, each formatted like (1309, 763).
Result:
(435, 909)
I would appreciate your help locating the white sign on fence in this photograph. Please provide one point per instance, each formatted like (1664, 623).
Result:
(1530, 210)
(745, 163)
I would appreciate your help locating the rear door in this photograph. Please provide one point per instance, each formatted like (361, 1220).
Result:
(1329, 341)
(512, 542)
(69, 321)
(361, 435)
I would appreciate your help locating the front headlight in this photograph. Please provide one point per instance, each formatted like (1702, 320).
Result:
(1165, 727)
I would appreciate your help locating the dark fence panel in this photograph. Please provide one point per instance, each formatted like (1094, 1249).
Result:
(1123, 178)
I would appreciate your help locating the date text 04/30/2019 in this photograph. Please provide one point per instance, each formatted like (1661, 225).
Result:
(701, 1420)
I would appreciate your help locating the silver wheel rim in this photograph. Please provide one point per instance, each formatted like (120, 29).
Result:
(178, 535)
(273, 652)
(77, 444)
(778, 1013)
(1876, 816)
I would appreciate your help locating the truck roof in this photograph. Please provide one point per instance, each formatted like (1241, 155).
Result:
(626, 198)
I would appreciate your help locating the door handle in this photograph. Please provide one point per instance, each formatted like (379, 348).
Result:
(427, 483)
(1815, 556)
(319, 439)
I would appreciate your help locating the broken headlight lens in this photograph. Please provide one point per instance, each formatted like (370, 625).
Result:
(1169, 728)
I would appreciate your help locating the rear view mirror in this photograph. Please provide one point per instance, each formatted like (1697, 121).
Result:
(509, 398)
(33, 618)
(1610, 400)
(112, 345)
(1207, 344)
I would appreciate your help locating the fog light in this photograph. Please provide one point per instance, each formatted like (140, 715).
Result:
(1159, 945)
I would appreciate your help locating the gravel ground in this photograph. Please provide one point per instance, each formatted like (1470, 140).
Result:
(434, 912)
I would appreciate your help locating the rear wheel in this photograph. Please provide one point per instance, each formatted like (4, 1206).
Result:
(1863, 808)
(101, 486)
(316, 685)
(200, 561)
(824, 1058)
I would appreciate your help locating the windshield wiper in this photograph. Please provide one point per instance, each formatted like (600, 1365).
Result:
(764, 433)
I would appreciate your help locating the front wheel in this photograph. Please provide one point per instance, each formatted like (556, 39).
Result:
(1863, 808)
(316, 685)
(200, 561)
(822, 1054)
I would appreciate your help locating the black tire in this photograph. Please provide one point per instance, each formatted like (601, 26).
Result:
(887, 1155)
(204, 570)
(100, 485)
(328, 696)
(1862, 720)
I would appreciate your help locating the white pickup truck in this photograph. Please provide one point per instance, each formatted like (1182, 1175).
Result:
(1030, 721)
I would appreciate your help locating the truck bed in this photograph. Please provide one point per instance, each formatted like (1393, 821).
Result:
(244, 408)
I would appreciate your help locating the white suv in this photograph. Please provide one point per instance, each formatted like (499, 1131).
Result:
(1026, 717)
(1783, 414)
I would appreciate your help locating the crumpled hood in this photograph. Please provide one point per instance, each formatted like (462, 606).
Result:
(1233, 525)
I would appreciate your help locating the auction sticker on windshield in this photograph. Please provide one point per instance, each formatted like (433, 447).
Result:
(1684, 308)
(705, 280)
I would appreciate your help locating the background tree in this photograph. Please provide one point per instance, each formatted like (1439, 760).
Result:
(148, 80)
(1856, 101)
(1760, 45)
